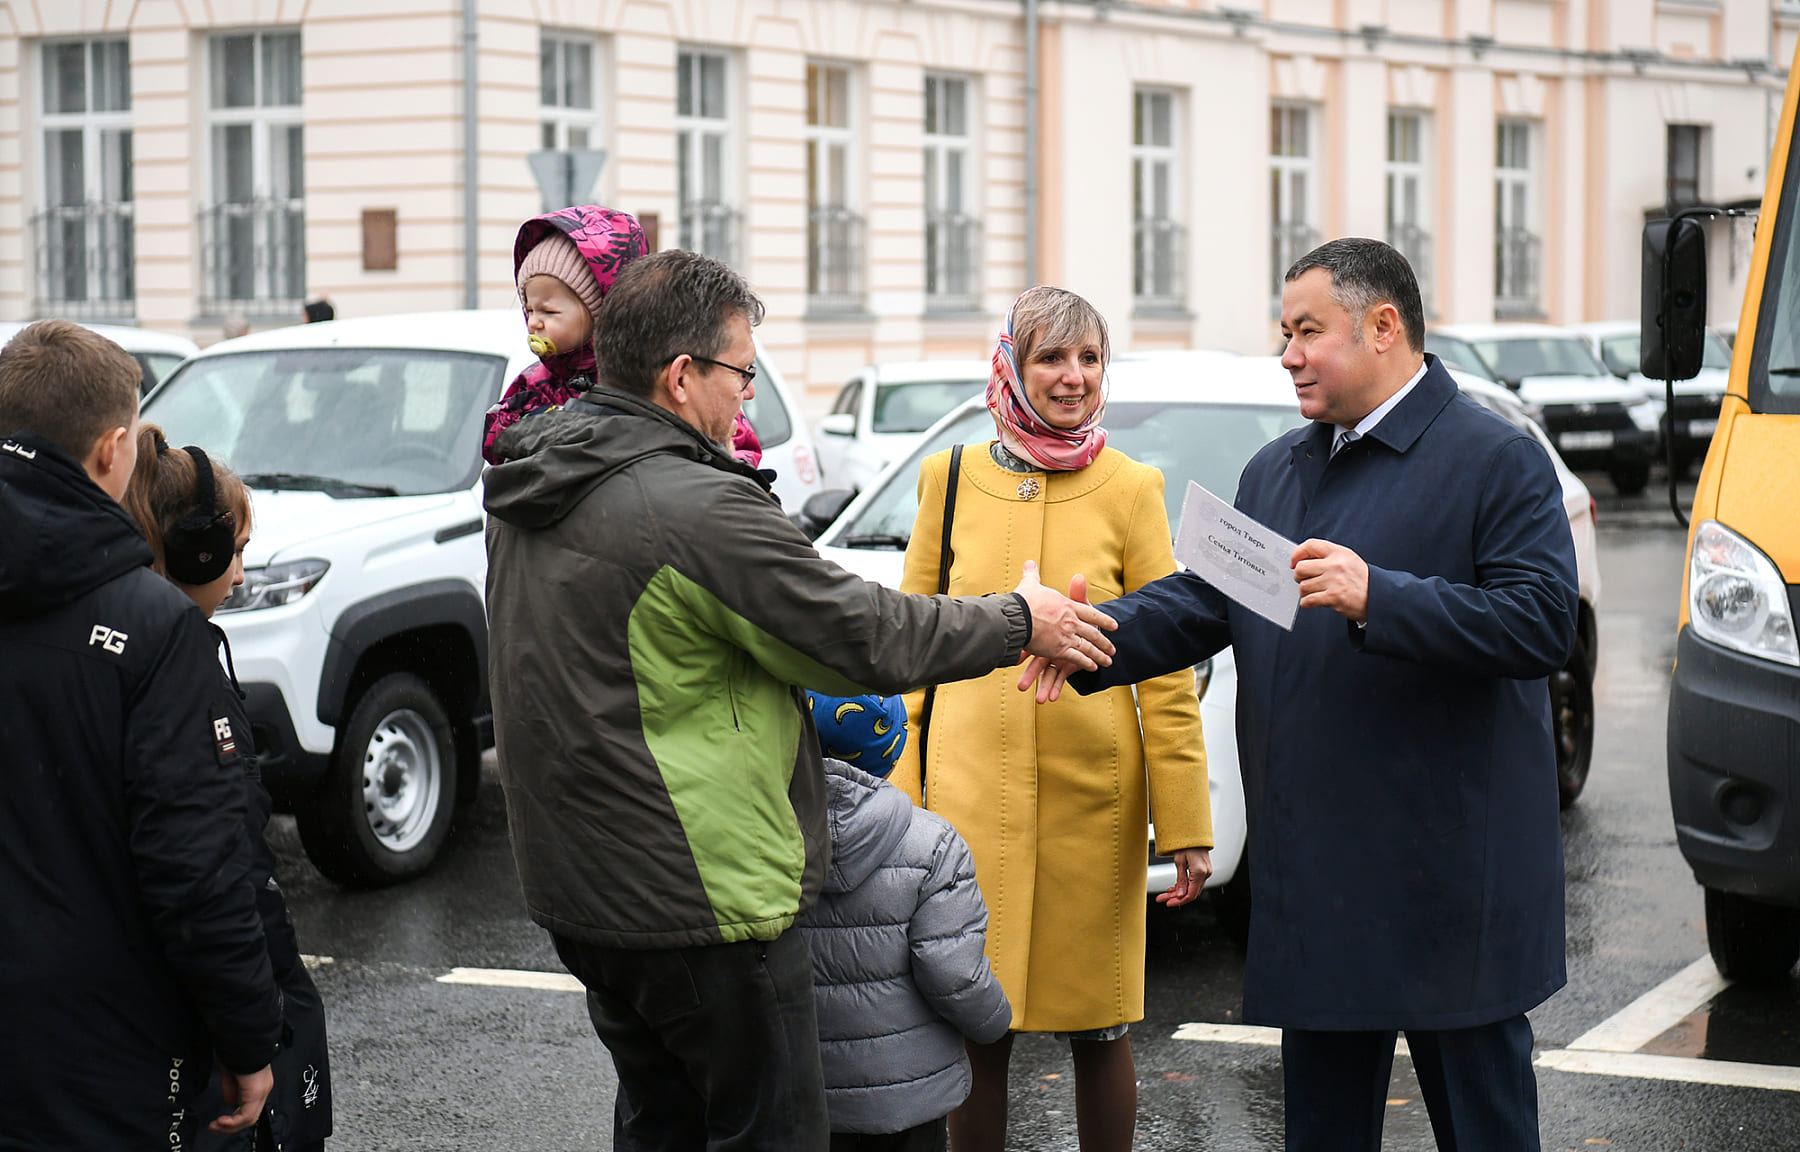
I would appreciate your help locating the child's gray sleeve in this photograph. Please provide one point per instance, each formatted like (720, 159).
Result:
(947, 938)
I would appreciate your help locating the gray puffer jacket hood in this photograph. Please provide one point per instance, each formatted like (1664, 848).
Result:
(899, 973)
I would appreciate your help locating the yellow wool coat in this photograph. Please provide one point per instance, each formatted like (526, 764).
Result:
(1053, 799)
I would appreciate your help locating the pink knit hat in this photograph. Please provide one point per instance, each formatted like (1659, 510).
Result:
(556, 255)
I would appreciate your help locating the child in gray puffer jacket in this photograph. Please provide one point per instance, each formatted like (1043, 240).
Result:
(897, 941)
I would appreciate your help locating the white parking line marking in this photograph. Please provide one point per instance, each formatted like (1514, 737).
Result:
(1686, 1069)
(1229, 1034)
(1656, 1011)
(512, 978)
(1250, 1034)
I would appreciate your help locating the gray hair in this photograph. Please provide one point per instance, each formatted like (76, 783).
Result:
(1050, 317)
(665, 305)
(1365, 273)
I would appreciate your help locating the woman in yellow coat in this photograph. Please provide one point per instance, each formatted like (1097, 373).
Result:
(1054, 800)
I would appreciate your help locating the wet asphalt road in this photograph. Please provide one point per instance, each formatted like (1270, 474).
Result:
(420, 1064)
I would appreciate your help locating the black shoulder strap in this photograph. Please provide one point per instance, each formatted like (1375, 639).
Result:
(942, 587)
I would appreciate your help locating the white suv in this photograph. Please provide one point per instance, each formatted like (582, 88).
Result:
(360, 632)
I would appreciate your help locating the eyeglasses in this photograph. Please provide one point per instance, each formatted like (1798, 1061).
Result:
(749, 374)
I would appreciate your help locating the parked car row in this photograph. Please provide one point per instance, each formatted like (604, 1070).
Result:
(1585, 386)
(360, 632)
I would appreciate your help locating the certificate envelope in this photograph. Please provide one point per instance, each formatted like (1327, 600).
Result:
(1238, 556)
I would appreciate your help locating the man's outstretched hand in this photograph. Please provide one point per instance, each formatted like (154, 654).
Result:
(1049, 672)
(1067, 630)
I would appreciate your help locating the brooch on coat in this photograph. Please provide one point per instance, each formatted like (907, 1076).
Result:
(1028, 488)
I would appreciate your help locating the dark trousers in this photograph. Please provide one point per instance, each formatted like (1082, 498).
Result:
(716, 1047)
(1478, 1086)
(931, 1136)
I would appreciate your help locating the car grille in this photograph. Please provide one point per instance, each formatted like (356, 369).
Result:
(1586, 418)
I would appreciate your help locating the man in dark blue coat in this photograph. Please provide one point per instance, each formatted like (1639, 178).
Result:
(1406, 865)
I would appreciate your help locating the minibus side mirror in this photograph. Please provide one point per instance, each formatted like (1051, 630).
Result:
(1672, 315)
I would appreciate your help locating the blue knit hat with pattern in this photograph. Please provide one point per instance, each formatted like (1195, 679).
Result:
(867, 731)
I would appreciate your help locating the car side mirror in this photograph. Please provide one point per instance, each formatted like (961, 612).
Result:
(838, 424)
(1514, 382)
(821, 508)
(1673, 302)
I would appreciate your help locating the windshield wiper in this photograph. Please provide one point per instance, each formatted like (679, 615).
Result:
(885, 540)
(301, 482)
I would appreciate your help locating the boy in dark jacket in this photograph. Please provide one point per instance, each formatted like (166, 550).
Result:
(131, 954)
(897, 941)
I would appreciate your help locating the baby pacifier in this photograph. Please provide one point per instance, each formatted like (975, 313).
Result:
(541, 345)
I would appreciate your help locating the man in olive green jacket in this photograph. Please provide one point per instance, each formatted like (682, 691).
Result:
(652, 613)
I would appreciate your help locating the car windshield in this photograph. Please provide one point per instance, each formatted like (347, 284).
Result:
(1621, 352)
(1206, 443)
(1516, 357)
(346, 421)
(915, 405)
(1457, 354)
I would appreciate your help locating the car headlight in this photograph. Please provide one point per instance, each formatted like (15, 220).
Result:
(1644, 415)
(275, 585)
(1736, 597)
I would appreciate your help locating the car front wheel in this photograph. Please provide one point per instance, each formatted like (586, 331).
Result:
(383, 810)
(1572, 723)
(1630, 479)
(1750, 941)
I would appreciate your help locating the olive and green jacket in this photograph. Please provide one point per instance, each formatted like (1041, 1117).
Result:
(652, 615)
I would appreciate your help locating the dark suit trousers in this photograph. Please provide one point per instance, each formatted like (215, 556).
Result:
(717, 1047)
(1478, 1086)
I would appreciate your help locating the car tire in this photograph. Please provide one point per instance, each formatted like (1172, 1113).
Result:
(1630, 479)
(384, 808)
(1572, 723)
(1751, 942)
(1231, 902)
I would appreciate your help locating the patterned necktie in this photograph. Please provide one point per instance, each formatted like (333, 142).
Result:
(1344, 436)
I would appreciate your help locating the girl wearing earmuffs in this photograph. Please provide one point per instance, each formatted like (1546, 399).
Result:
(196, 515)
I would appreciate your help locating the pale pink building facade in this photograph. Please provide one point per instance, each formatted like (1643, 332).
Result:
(172, 163)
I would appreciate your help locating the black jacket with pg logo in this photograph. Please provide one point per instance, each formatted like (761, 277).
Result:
(131, 952)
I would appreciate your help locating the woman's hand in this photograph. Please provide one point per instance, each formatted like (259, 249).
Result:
(1192, 867)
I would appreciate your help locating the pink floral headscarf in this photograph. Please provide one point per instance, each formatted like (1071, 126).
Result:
(1022, 431)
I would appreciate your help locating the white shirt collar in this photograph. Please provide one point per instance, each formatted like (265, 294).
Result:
(1367, 423)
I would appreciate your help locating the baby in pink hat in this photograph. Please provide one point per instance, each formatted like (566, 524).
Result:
(563, 262)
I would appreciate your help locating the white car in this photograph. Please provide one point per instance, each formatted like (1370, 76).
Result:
(1689, 429)
(1201, 417)
(360, 631)
(1594, 419)
(157, 353)
(882, 411)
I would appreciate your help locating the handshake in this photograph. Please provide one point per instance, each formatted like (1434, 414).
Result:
(1067, 634)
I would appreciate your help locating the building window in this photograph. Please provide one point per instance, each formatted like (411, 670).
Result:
(703, 161)
(1159, 241)
(567, 116)
(253, 236)
(569, 158)
(1292, 164)
(834, 245)
(1408, 201)
(1517, 246)
(1686, 161)
(83, 234)
(952, 230)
